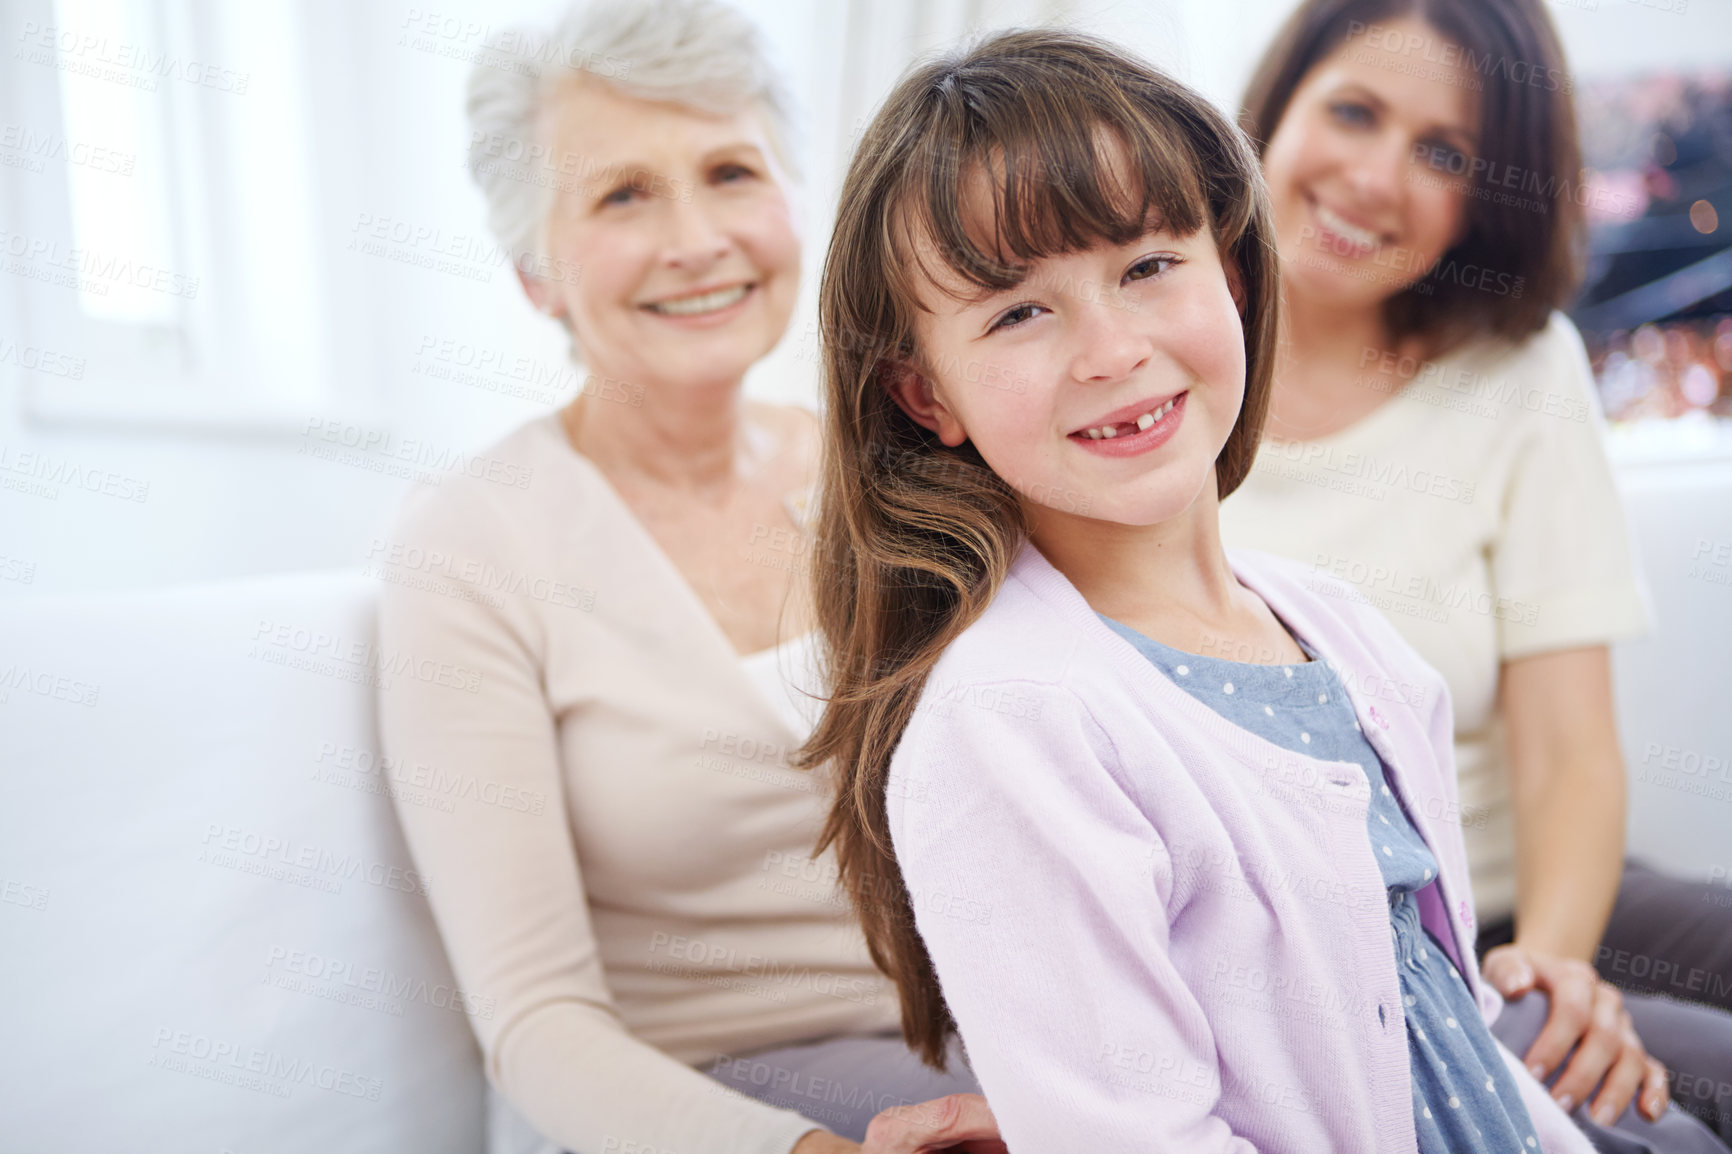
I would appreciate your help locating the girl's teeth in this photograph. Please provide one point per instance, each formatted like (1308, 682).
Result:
(1142, 423)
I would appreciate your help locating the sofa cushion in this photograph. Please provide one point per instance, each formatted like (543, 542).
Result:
(211, 934)
(1671, 686)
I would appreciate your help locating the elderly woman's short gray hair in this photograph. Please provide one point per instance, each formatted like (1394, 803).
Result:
(703, 54)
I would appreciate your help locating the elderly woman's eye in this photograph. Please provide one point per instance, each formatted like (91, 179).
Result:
(732, 172)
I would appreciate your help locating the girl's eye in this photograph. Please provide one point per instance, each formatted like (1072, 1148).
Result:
(1152, 266)
(1351, 113)
(624, 194)
(1014, 317)
(1147, 268)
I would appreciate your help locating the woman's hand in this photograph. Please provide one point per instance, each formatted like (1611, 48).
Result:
(953, 1122)
(1588, 1011)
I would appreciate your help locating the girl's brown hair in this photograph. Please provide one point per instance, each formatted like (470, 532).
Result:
(913, 538)
(1524, 219)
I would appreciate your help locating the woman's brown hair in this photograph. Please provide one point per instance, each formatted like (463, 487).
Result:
(913, 538)
(1529, 233)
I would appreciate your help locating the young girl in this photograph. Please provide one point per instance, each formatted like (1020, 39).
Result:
(1164, 834)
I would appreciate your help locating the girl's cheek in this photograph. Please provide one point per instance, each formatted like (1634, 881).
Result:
(1213, 339)
(1004, 425)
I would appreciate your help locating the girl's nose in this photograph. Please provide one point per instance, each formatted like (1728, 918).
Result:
(1110, 345)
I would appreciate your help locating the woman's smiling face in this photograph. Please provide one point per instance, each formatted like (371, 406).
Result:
(673, 234)
(1104, 385)
(1360, 167)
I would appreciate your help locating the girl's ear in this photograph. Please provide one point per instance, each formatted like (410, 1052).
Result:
(914, 395)
(1235, 280)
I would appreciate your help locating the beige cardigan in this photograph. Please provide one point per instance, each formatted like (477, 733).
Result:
(616, 846)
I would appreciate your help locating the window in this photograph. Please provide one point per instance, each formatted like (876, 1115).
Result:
(160, 227)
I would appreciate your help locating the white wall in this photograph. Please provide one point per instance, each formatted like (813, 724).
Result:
(225, 504)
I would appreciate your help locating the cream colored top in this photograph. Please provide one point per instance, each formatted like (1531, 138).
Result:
(1477, 509)
(623, 881)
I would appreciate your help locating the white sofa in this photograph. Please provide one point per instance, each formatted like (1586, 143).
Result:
(1674, 687)
(212, 938)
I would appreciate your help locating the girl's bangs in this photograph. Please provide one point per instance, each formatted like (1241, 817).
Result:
(1063, 177)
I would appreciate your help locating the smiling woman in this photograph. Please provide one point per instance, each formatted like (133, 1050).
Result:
(1436, 439)
(669, 918)
(681, 228)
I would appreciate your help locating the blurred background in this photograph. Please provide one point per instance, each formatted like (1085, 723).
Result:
(222, 225)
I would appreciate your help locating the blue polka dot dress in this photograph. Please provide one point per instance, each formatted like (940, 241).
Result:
(1464, 1099)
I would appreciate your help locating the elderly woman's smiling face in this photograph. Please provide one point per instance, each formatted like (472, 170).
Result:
(672, 235)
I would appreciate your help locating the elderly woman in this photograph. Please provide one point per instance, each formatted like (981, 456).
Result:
(1434, 438)
(624, 878)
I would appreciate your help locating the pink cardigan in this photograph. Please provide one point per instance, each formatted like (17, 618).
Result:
(1157, 931)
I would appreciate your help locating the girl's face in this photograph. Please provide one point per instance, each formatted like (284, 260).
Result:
(1103, 386)
(674, 245)
(1364, 168)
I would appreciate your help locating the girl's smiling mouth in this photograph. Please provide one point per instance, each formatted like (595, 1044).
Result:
(1133, 430)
